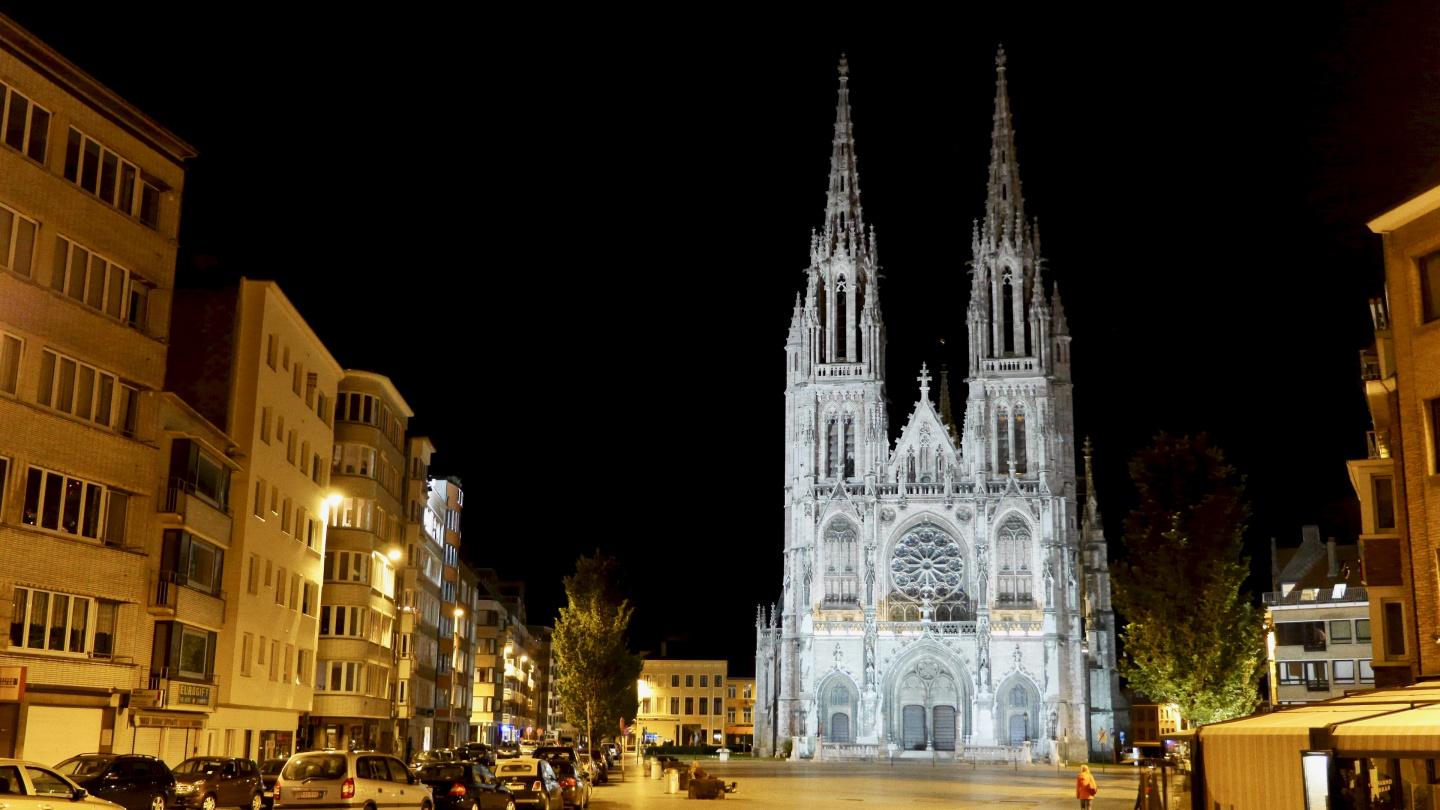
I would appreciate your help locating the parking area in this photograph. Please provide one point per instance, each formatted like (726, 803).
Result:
(791, 785)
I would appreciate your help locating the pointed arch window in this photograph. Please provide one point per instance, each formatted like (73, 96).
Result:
(1007, 316)
(842, 561)
(1012, 551)
(832, 446)
(910, 467)
(1022, 464)
(849, 427)
(842, 323)
(1002, 440)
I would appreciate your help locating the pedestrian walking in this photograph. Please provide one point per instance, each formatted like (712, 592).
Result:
(1085, 787)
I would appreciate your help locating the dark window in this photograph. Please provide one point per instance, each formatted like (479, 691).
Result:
(1309, 634)
(1394, 630)
(689, 705)
(1430, 286)
(72, 157)
(1362, 631)
(90, 166)
(15, 121)
(1385, 503)
(109, 168)
(149, 204)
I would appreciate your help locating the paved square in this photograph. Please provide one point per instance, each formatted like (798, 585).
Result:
(791, 785)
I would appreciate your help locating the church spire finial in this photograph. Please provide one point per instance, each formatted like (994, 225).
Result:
(842, 197)
(1004, 207)
(924, 380)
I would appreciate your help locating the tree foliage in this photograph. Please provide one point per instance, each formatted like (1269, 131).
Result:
(595, 670)
(1192, 638)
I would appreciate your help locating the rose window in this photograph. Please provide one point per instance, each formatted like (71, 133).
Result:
(927, 565)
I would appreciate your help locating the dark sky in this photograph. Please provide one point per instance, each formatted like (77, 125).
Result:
(574, 244)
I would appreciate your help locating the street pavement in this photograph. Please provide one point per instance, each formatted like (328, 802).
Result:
(908, 783)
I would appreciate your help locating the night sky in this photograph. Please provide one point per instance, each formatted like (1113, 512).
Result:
(575, 250)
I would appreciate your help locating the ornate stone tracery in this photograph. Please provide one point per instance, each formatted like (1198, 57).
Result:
(928, 567)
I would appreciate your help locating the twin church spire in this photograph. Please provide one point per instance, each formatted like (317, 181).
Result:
(839, 317)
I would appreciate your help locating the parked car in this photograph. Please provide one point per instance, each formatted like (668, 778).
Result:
(210, 782)
(32, 786)
(532, 782)
(527, 747)
(507, 751)
(562, 753)
(133, 781)
(481, 753)
(574, 784)
(465, 786)
(347, 779)
(269, 772)
(428, 757)
(594, 768)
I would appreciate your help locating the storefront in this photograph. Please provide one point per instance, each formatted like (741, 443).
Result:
(1372, 749)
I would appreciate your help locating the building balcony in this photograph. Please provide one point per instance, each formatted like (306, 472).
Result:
(1010, 365)
(179, 499)
(173, 596)
(1338, 595)
(181, 695)
(839, 369)
(1370, 365)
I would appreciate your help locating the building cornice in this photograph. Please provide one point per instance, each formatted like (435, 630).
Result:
(65, 74)
(1406, 212)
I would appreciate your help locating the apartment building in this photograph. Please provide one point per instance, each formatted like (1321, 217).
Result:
(740, 713)
(245, 359)
(682, 701)
(355, 669)
(90, 194)
(1319, 620)
(521, 701)
(462, 699)
(491, 619)
(419, 603)
(452, 672)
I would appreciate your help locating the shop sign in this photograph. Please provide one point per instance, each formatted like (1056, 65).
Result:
(12, 683)
(147, 699)
(190, 694)
(165, 721)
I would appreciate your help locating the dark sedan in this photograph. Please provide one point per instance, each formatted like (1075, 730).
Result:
(465, 786)
(269, 772)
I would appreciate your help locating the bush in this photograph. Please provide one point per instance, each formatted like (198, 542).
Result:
(681, 750)
(786, 747)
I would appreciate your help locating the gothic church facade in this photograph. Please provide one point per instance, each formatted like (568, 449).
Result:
(946, 590)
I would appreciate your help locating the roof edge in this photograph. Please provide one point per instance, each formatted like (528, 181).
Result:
(1406, 212)
(69, 76)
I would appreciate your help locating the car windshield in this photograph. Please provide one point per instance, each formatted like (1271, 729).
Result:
(518, 768)
(314, 766)
(272, 767)
(84, 766)
(439, 772)
(192, 767)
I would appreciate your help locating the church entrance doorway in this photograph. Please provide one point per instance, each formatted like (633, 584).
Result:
(840, 727)
(913, 735)
(944, 725)
(1018, 729)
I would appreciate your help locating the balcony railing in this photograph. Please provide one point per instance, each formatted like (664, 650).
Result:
(1317, 596)
(1369, 365)
(1008, 364)
(179, 497)
(174, 595)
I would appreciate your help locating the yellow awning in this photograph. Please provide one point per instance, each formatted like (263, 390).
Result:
(1409, 732)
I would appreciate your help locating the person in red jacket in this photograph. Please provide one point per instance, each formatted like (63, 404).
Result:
(1085, 787)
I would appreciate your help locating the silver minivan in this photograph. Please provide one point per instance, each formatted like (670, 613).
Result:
(343, 779)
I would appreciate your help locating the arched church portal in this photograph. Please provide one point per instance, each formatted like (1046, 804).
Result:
(928, 702)
(1018, 712)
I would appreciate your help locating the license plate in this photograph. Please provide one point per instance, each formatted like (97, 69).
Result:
(309, 794)
(269, 794)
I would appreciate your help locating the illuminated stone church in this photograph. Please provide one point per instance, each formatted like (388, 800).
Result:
(947, 588)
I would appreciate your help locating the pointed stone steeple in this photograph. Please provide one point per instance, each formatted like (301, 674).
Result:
(842, 198)
(947, 418)
(1057, 311)
(1004, 205)
(1092, 500)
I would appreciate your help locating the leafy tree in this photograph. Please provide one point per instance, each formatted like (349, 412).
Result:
(1192, 638)
(595, 670)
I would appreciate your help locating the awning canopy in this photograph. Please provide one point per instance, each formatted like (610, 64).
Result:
(1405, 733)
